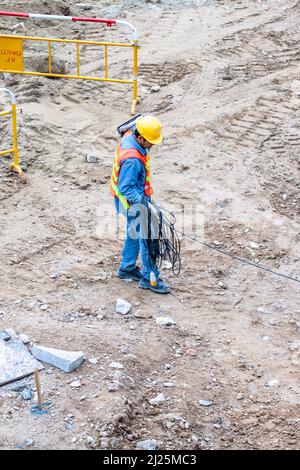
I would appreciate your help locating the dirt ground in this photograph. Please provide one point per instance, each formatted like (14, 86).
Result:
(228, 94)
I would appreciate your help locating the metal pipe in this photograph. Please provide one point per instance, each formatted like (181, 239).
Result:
(129, 25)
(9, 93)
(6, 152)
(5, 113)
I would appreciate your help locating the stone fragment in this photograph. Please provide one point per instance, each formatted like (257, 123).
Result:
(91, 158)
(24, 339)
(160, 398)
(123, 307)
(273, 383)
(165, 321)
(148, 444)
(93, 360)
(205, 402)
(116, 365)
(75, 384)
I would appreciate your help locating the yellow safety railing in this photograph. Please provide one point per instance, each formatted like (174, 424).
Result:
(14, 150)
(12, 61)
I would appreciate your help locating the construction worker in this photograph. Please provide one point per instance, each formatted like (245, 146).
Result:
(131, 187)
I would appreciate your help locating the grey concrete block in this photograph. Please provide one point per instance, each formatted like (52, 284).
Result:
(64, 360)
(15, 362)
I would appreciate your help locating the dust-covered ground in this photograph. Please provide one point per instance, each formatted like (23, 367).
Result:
(228, 94)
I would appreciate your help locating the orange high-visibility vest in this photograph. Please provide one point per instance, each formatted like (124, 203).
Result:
(120, 156)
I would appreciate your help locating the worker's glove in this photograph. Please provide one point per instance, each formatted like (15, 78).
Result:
(146, 200)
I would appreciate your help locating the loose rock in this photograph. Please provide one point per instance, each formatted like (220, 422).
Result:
(273, 383)
(93, 360)
(160, 398)
(254, 245)
(75, 384)
(26, 394)
(205, 402)
(141, 314)
(155, 88)
(165, 321)
(91, 159)
(24, 339)
(116, 365)
(123, 307)
(148, 444)
(169, 384)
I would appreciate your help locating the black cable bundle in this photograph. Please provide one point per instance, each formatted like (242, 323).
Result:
(163, 242)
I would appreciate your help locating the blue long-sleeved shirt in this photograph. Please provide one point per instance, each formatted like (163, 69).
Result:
(132, 174)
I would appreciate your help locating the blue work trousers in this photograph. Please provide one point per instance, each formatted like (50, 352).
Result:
(136, 242)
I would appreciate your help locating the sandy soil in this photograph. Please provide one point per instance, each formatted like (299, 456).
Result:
(229, 100)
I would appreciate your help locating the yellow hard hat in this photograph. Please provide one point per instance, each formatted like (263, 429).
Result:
(150, 128)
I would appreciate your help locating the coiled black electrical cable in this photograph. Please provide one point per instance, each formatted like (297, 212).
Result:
(163, 242)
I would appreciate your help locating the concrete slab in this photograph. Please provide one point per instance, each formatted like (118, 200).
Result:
(16, 362)
(64, 360)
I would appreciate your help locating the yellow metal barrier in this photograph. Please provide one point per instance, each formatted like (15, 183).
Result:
(12, 60)
(14, 150)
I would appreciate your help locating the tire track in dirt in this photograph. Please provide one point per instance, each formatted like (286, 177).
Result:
(268, 127)
(274, 61)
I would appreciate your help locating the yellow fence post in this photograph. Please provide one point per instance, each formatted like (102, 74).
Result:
(15, 165)
(14, 150)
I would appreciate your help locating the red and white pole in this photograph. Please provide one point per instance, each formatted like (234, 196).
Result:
(107, 21)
